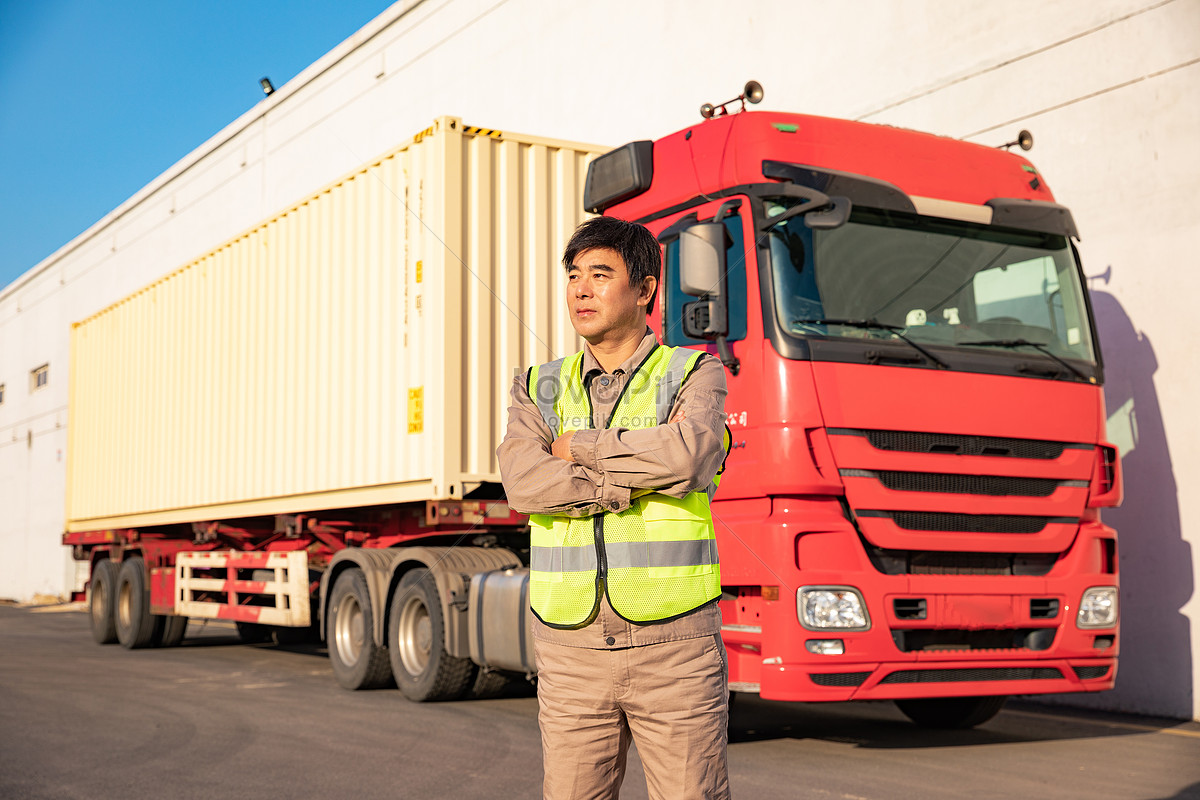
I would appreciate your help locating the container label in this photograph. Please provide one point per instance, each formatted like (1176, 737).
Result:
(416, 410)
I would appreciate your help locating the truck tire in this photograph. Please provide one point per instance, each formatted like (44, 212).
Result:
(102, 603)
(358, 663)
(951, 712)
(253, 633)
(135, 623)
(423, 669)
(173, 629)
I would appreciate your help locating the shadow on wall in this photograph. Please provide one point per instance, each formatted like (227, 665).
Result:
(1155, 667)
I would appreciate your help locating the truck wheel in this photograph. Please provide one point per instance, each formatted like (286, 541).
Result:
(417, 643)
(252, 632)
(102, 602)
(135, 624)
(173, 629)
(358, 663)
(951, 712)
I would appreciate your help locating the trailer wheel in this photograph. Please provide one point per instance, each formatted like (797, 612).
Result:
(173, 629)
(417, 643)
(358, 663)
(102, 602)
(135, 624)
(951, 712)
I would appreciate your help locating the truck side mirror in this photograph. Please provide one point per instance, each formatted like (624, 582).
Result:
(702, 274)
(702, 259)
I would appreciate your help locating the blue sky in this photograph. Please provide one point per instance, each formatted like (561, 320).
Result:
(98, 97)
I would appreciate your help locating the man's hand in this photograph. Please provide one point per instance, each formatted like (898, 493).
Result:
(562, 447)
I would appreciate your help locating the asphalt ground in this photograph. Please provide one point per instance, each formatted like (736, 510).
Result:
(216, 718)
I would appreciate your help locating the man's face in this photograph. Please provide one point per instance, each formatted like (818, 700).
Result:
(600, 299)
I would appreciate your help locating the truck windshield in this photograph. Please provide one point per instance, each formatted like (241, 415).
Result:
(932, 281)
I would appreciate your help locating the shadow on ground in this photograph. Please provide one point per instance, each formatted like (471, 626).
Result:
(880, 725)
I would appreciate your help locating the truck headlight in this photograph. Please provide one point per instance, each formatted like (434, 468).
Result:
(1098, 608)
(823, 607)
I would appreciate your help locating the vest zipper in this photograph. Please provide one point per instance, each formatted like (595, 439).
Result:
(598, 519)
(601, 554)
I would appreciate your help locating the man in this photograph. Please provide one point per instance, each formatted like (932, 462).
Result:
(614, 452)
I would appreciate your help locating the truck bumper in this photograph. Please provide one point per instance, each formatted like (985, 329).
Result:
(974, 635)
(893, 681)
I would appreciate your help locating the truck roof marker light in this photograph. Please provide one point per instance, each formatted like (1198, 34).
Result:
(785, 127)
(752, 92)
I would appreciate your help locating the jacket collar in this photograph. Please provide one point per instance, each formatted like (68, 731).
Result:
(591, 367)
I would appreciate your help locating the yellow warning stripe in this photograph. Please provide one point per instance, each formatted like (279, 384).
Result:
(471, 130)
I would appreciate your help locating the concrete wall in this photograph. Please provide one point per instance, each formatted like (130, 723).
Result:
(1110, 89)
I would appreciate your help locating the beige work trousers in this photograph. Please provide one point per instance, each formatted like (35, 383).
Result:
(672, 698)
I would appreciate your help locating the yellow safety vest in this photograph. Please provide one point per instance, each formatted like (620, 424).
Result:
(657, 559)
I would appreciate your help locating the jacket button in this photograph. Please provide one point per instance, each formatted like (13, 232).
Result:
(610, 641)
(614, 505)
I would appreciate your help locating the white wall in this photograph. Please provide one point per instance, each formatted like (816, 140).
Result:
(1110, 89)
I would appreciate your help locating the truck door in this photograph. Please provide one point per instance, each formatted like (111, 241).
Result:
(739, 282)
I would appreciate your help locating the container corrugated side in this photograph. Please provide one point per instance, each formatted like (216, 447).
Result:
(356, 349)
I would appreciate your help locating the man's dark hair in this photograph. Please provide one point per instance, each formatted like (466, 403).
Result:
(636, 245)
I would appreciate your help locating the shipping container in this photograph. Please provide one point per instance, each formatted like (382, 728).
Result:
(354, 350)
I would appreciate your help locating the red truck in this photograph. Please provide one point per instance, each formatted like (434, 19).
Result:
(911, 506)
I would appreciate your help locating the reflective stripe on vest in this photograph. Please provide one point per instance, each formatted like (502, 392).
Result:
(662, 555)
(658, 558)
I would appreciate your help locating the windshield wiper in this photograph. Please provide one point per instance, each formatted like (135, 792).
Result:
(873, 324)
(1039, 346)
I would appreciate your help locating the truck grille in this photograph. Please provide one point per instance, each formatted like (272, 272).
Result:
(1038, 502)
(954, 639)
(937, 562)
(954, 444)
(993, 485)
(977, 674)
(969, 523)
(1089, 673)
(965, 523)
(838, 678)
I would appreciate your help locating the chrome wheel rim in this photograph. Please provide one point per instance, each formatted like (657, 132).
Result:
(125, 605)
(349, 630)
(415, 639)
(99, 609)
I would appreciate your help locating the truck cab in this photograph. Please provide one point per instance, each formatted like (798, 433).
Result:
(911, 505)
